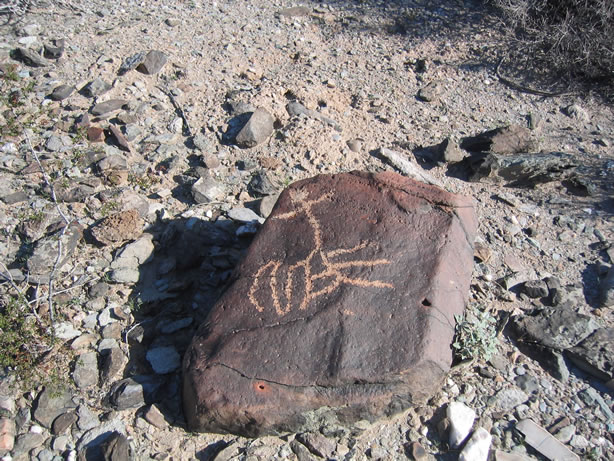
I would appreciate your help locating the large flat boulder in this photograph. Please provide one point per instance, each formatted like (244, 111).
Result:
(342, 309)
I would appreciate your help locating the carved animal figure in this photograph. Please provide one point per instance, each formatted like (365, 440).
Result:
(321, 270)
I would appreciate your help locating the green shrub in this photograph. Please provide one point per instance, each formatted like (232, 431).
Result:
(22, 339)
(475, 335)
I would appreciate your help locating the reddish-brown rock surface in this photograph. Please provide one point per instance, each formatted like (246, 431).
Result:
(342, 309)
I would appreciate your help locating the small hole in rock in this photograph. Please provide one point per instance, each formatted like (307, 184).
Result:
(426, 302)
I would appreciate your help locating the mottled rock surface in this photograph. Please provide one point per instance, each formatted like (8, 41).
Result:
(118, 228)
(324, 320)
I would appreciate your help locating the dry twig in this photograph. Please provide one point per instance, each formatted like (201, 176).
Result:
(67, 223)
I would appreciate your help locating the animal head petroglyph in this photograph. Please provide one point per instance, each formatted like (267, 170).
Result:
(320, 273)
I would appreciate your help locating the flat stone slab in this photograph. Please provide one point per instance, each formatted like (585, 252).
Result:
(540, 439)
(342, 309)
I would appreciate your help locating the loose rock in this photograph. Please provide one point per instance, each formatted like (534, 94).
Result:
(31, 58)
(461, 420)
(96, 87)
(207, 190)
(595, 354)
(152, 63)
(258, 128)
(431, 92)
(61, 92)
(163, 360)
(86, 370)
(512, 139)
(405, 166)
(543, 442)
(51, 403)
(111, 105)
(523, 169)
(478, 447)
(326, 239)
(118, 228)
(607, 289)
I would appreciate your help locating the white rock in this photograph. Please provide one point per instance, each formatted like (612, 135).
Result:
(461, 419)
(478, 446)
(125, 275)
(243, 215)
(28, 41)
(66, 330)
(207, 190)
(107, 343)
(135, 253)
(104, 317)
(60, 443)
(163, 359)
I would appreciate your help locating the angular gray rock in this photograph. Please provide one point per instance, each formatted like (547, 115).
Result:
(206, 190)
(607, 289)
(266, 205)
(317, 444)
(595, 355)
(507, 399)
(131, 62)
(116, 448)
(86, 370)
(513, 139)
(134, 392)
(152, 63)
(164, 359)
(265, 183)
(96, 87)
(113, 362)
(431, 92)
(135, 254)
(26, 442)
(406, 166)
(31, 58)
(87, 418)
(61, 92)
(535, 289)
(46, 251)
(258, 128)
(243, 215)
(105, 107)
(558, 327)
(92, 444)
(51, 403)
(63, 422)
(523, 169)
(450, 152)
(55, 48)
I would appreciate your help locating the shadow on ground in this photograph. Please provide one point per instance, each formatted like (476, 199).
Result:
(191, 267)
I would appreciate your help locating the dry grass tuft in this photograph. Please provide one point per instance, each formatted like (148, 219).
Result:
(575, 37)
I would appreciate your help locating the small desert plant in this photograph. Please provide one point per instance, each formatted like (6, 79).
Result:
(572, 37)
(475, 334)
(23, 339)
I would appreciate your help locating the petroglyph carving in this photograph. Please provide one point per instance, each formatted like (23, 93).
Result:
(320, 272)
